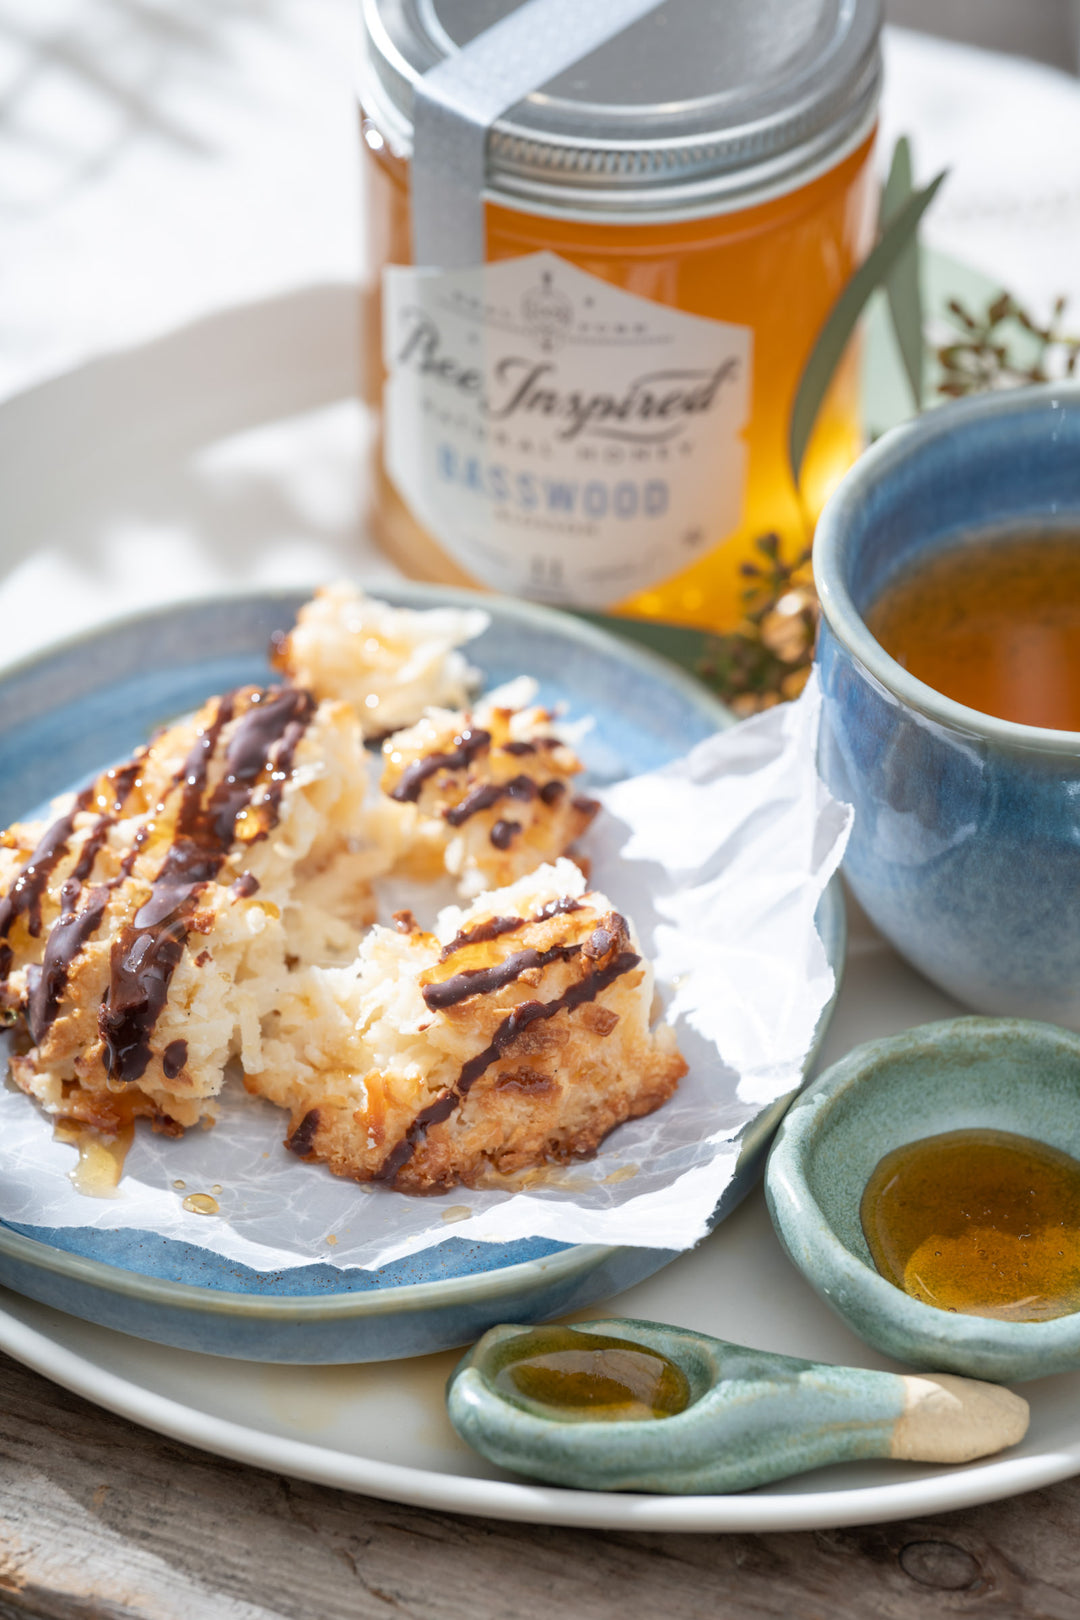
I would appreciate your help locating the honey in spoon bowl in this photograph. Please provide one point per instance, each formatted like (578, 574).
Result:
(565, 1373)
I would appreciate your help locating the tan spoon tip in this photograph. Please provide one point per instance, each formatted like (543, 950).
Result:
(955, 1420)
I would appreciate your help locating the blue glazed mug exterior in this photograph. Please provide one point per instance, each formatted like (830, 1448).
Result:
(965, 849)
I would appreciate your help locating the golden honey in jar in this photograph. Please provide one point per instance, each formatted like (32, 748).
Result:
(597, 415)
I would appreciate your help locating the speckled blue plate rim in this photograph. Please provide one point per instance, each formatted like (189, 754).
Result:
(564, 1261)
(402, 593)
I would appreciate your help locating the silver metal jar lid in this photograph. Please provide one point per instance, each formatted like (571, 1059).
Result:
(699, 107)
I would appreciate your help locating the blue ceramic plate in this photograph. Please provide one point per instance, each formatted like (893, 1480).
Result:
(95, 698)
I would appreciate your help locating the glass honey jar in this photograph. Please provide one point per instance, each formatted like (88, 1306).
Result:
(598, 416)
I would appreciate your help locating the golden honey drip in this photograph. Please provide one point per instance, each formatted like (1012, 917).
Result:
(978, 1221)
(562, 1372)
(101, 1158)
(201, 1204)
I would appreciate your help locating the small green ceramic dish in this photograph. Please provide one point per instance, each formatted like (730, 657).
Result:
(1006, 1074)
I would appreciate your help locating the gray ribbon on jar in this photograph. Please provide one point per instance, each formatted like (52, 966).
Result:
(459, 99)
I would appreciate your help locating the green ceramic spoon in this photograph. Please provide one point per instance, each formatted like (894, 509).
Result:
(750, 1416)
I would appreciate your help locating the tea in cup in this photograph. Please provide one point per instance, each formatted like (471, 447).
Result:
(948, 565)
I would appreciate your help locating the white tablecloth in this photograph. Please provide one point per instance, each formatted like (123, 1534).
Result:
(163, 163)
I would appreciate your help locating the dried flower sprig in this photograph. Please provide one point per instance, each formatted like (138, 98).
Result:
(1004, 346)
(766, 659)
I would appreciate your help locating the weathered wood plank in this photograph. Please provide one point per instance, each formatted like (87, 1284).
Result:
(101, 1519)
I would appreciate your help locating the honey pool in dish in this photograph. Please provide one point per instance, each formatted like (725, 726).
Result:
(980, 1221)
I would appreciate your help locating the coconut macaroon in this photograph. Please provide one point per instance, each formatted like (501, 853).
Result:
(389, 664)
(142, 942)
(519, 1033)
(486, 794)
(210, 903)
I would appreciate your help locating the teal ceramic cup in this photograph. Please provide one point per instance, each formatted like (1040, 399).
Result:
(965, 849)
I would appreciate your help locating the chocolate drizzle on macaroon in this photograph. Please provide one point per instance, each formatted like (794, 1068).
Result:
(484, 981)
(173, 1059)
(66, 939)
(607, 959)
(485, 794)
(481, 933)
(531, 745)
(468, 743)
(73, 928)
(25, 895)
(148, 950)
(503, 833)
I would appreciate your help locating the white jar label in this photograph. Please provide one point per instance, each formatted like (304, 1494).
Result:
(559, 437)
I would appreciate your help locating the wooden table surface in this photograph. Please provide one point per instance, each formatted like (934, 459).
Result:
(102, 1520)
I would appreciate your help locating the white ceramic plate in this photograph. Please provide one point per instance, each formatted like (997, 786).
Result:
(381, 1429)
(235, 470)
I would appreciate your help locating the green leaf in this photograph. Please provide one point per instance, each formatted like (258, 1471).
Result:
(902, 288)
(898, 187)
(680, 643)
(840, 323)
